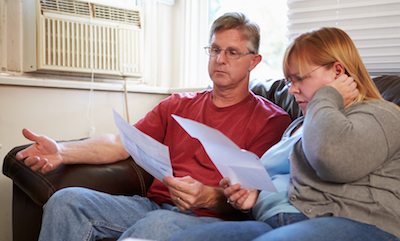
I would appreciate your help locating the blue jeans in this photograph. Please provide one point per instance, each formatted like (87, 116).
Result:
(328, 229)
(237, 230)
(287, 227)
(83, 214)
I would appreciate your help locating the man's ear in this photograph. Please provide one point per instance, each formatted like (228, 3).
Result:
(338, 68)
(255, 61)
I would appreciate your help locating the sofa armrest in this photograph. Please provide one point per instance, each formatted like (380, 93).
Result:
(124, 177)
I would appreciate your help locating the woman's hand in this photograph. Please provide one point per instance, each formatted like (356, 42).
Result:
(240, 198)
(347, 87)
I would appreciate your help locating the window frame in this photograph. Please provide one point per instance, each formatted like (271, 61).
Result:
(374, 27)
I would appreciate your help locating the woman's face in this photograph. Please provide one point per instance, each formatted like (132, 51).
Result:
(304, 87)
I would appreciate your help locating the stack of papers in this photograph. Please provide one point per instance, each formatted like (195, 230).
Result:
(147, 152)
(239, 165)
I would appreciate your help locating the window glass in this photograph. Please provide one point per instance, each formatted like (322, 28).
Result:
(271, 16)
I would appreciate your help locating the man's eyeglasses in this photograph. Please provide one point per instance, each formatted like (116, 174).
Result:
(289, 79)
(232, 54)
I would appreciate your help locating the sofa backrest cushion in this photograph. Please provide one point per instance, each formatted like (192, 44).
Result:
(277, 92)
(389, 87)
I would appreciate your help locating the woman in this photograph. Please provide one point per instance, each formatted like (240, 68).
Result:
(345, 170)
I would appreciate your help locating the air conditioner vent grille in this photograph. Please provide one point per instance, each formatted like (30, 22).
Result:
(99, 11)
(117, 14)
(66, 6)
(80, 37)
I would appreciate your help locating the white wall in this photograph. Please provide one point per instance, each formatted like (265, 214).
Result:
(60, 114)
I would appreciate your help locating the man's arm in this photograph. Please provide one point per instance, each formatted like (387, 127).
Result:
(46, 154)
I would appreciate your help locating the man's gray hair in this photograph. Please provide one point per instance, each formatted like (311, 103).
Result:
(232, 20)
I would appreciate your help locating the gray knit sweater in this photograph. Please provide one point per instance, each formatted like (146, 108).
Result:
(348, 162)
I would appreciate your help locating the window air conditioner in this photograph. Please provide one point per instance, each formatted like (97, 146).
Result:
(81, 37)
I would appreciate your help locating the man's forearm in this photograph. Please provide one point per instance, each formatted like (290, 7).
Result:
(102, 149)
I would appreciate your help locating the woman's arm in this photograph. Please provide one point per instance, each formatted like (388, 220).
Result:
(342, 145)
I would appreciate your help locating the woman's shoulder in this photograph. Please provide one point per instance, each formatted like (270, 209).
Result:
(377, 107)
(385, 114)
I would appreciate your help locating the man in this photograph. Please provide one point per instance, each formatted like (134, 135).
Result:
(252, 122)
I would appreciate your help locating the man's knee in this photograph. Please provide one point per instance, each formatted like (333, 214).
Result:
(164, 217)
(65, 198)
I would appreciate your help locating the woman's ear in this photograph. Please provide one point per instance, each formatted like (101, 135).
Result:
(339, 68)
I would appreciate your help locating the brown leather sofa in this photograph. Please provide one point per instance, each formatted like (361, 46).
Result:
(31, 189)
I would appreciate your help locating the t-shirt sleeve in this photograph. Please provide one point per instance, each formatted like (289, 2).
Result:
(154, 123)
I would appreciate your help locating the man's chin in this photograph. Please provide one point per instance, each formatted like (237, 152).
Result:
(221, 81)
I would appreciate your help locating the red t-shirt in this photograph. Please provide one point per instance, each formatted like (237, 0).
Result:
(254, 124)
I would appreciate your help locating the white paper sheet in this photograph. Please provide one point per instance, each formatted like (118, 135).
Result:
(239, 165)
(147, 152)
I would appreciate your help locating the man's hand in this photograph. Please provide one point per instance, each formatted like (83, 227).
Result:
(188, 194)
(42, 156)
(239, 198)
(347, 87)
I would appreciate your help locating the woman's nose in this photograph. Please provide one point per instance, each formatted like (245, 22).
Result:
(293, 89)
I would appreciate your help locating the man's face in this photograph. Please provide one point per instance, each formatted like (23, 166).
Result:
(229, 73)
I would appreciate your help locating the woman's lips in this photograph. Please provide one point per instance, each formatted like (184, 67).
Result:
(301, 102)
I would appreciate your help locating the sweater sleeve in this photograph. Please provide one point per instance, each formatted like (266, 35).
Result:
(342, 145)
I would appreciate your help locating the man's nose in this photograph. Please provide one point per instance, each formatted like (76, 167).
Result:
(221, 57)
